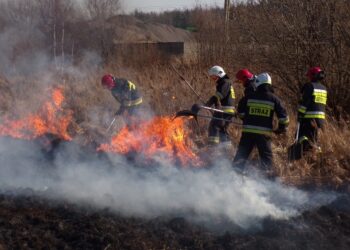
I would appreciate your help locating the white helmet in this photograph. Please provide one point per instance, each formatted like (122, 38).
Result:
(217, 71)
(263, 78)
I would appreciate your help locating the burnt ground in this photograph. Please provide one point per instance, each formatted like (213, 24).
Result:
(30, 222)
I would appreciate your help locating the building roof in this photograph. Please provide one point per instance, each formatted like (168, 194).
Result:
(128, 29)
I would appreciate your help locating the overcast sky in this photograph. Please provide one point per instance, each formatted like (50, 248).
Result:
(161, 5)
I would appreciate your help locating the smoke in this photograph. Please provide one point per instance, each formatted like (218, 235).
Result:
(17, 56)
(202, 195)
(29, 68)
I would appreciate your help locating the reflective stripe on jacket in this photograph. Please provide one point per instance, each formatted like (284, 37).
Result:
(225, 95)
(257, 111)
(313, 102)
(126, 93)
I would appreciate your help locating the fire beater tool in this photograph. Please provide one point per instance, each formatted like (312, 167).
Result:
(196, 107)
(194, 113)
(188, 84)
(295, 151)
(111, 124)
(190, 113)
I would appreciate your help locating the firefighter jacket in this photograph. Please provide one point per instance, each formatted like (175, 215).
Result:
(224, 96)
(126, 94)
(257, 111)
(249, 86)
(313, 102)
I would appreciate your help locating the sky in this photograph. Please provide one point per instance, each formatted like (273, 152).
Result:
(162, 5)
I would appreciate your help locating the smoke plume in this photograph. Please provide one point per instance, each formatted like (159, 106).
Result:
(214, 194)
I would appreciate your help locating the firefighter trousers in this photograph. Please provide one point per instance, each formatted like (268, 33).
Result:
(308, 134)
(246, 145)
(217, 131)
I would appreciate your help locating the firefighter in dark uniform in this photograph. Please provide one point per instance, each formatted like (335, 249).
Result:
(247, 79)
(126, 93)
(223, 99)
(311, 111)
(257, 111)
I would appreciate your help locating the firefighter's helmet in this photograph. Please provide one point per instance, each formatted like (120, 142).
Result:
(107, 81)
(243, 75)
(216, 71)
(263, 78)
(315, 74)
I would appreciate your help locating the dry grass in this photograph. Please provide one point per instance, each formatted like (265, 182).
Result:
(165, 93)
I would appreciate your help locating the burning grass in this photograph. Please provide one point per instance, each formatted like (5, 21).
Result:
(160, 136)
(51, 118)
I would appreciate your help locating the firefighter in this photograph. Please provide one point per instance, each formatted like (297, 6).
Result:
(257, 111)
(126, 93)
(311, 111)
(247, 79)
(223, 99)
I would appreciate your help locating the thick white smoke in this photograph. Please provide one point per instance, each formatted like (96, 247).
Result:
(218, 193)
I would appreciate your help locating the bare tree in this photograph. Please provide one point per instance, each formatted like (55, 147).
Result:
(102, 9)
(99, 12)
(19, 12)
(55, 14)
(285, 38)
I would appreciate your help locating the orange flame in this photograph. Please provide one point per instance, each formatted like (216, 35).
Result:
(159, 136)
(50, 119)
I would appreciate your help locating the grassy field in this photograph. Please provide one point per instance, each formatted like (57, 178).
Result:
(165, 94)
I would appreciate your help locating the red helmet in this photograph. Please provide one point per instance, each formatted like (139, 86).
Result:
(243, 75)
(108, 81)
(315, 73)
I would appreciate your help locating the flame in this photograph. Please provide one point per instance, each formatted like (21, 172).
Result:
(159, 136)
(50, 119)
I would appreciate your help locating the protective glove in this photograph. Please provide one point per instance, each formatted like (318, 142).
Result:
(217, 103)
(195, 108)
